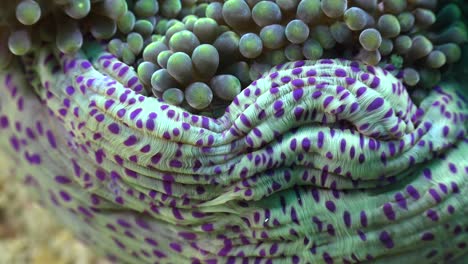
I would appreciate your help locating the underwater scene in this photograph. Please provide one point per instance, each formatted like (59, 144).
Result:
(238, 131)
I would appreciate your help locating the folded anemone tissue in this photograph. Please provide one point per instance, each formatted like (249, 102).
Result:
(238, 131)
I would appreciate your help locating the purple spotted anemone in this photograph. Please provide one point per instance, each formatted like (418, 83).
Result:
(315, 161)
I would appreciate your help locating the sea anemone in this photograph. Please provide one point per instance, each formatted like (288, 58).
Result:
(243, 131)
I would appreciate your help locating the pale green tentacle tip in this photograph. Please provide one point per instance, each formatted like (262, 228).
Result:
(180, 67)
(226, 86)
(250, 45)
(171, 8)
(146, 8)
(205, 60)
(198, 95)
(355, 18)
(135, 42)
(112, 9)
(145, 71)
(297, 31)
(20, 42)
(78, 9)
(334, 8)
(28, 12)
(173, 96)
(370, 39)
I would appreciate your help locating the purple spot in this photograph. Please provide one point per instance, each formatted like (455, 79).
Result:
(388, 211)
(208, 227)
(350, 81)
(100, 174)
(123, 98)
(100, 118)
(306, 144)
(297, 94)
(327, 258)
(347, 218)
(85, 64)
(327, 101)
(316, 94)
(123, 223)
(116, 66)
(32, 158)
(375, 82)
(70, 90)
(363, 217)
(90, 82)
(132, 81)
(431, 214)
(108, 104)
(311, 72)
(401, 200)
(62, 179)
(135, 113)
(299, 63)
(293, 144)
(156, 158)
(110, 91)
(413, 192)
(187, 235)
(361, 158)
(65, 196)
(150, 124)
(285, 79)
(362, 235)
(114, 128)
(427, 236)
(443, 187)
(123, 71)
(435, 195)
(452, 167)
(245, 120)
(85, 211)
(278, 105)
(445, 131)
(175, 163)
(343, 145)
(320, 139)
(151, 242)
(386, 239)
(171, 113)
(298, 83)
(354, 107)
(159, 254)
(121, 112)
(340, 73)
(450, 209)
(296, 71)
(273, 249)
(360, 91)
(330, 206)
(378, 102)
(131, 140)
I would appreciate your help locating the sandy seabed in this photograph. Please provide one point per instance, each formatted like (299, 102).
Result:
(30, 235)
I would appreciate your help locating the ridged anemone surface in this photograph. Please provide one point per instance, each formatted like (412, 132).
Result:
(316, 161)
